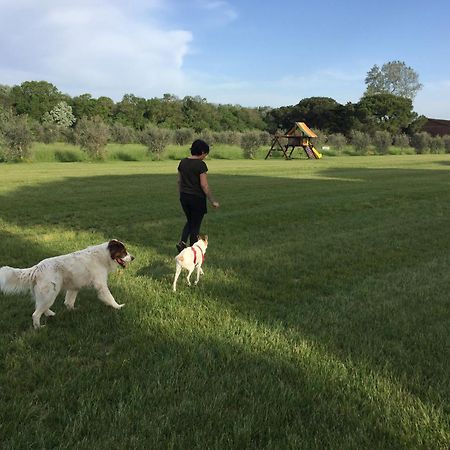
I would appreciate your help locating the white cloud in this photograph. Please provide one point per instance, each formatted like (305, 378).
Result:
(101, 47)
(111, 47)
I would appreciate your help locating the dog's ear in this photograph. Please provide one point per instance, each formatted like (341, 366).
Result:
(116, 248)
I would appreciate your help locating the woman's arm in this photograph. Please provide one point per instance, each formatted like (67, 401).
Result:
(205, 186)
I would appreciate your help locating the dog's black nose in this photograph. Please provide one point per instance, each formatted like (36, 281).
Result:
(132, 257)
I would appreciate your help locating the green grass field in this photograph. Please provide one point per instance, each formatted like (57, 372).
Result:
(63, 152)
(322, 320)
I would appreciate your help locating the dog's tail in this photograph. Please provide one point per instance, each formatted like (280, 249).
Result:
(15, 281)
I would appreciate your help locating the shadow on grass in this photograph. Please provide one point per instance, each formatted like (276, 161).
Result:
(158, 269)
(105, 377)
(298, 254)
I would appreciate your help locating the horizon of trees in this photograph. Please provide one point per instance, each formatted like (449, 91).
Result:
(37, 99)
(383, 107)
(36, 111)
(384, 115)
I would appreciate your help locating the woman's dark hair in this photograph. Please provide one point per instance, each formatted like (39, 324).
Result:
(199, 147)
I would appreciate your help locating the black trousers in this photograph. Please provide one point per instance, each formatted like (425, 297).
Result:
(194, 208)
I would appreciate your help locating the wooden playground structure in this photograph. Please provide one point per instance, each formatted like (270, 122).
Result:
(298, 136)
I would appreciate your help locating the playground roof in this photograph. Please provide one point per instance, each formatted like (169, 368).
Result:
(302, 128)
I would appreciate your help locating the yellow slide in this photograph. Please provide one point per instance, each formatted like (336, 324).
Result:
(316, 153)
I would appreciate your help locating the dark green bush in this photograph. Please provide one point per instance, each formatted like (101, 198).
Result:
(16, 138)
(437, 145)
(360, 141)
(337, 141)
(92, 135)
(122, 134)
(183, 136)
(156, 140)
(382, 140)
(401, 140)
(250, 142)
(421, 142)
(446, 140)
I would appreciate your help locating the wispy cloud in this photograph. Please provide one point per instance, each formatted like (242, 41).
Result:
(221, 11)
(102, 47)
(111, 47)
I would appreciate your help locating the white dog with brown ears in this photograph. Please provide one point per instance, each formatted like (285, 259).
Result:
(191, 258)
(85, 268)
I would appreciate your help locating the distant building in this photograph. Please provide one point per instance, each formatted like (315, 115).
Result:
(437, 127)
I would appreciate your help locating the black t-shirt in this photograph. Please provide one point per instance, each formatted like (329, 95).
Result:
(190, 170)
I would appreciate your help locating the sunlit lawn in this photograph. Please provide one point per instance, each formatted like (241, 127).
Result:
(322, 320)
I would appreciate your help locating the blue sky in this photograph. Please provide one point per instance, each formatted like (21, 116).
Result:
(247, 52)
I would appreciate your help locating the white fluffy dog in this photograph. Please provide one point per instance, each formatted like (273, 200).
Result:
(85, 268)
(189, 259)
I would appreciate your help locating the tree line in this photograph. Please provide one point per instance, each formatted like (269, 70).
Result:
(40, 110)
(41, 101)
(385, 105)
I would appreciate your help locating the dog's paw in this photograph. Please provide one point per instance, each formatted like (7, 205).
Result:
(119, 306)
(49, 313)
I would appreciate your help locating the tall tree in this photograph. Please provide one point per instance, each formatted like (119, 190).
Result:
(104, 108)
(131, 111)
(394, 77)
(165, 112)
(318, 112)
(5, 93)
(195, 113)
(60, 115)
(321, 113)
(386, 112)
(83, 106)
(35, 98)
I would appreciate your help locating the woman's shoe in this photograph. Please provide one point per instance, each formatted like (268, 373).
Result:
(180, 246)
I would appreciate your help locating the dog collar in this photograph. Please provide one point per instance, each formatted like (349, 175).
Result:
(195, 253)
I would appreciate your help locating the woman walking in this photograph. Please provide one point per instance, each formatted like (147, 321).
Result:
(194, 190)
